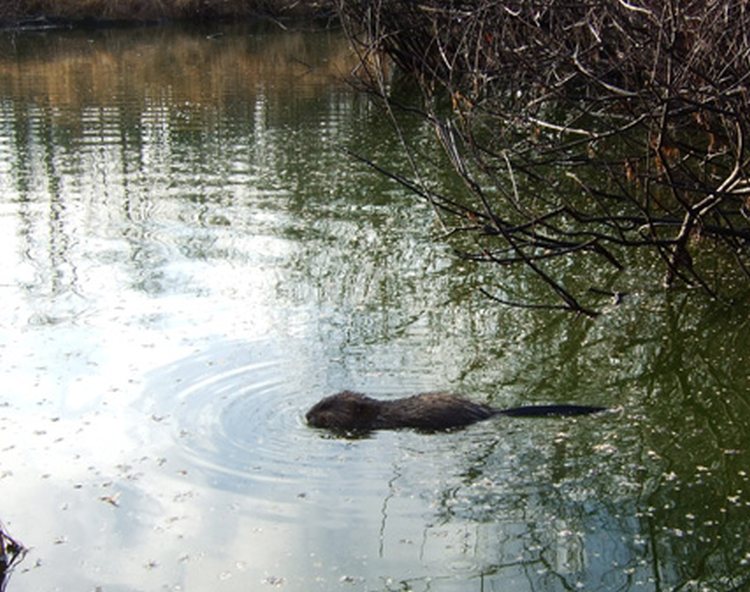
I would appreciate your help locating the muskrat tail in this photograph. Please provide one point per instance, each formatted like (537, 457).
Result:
(550, 410)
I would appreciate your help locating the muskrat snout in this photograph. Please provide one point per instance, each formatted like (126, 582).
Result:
(346, 410)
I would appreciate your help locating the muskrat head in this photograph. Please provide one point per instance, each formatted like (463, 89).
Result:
(344, 411)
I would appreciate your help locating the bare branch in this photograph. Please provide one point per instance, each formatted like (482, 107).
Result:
(580, 128)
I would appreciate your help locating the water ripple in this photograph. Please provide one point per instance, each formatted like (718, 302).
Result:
(227, 407)
(235, 420)
(236, 417)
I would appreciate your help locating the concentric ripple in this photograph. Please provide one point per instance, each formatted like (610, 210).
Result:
(235, 415)
(231, 408)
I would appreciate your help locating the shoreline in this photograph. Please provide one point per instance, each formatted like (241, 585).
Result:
(44, 15)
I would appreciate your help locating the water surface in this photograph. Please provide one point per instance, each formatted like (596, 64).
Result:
(191, 260)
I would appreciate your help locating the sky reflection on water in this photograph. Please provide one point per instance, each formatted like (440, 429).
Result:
(191, 262)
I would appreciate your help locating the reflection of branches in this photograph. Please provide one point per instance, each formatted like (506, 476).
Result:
(589, 130)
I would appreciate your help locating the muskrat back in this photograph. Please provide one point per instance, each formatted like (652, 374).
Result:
(352, 411)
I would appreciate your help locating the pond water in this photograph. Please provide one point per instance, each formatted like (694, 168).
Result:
(191, 259)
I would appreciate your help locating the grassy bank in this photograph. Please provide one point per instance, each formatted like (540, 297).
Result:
(70, 76)
(34, 12)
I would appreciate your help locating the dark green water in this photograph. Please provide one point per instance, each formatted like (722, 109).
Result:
(190, 260)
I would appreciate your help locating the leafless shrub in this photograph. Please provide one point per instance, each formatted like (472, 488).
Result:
(580, 129)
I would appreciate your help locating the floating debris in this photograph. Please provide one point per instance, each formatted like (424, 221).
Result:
(11, 553)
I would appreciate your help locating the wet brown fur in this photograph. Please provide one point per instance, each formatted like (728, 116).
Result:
(351, 411)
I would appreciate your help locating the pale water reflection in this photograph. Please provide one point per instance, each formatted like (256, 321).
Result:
(190, 261)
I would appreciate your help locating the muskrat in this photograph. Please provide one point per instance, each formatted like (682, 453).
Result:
(350, 411)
